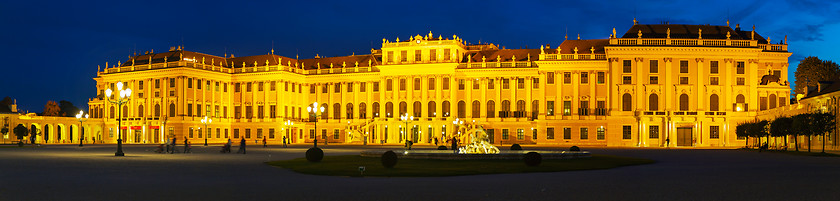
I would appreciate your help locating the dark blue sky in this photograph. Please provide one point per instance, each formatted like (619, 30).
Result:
(50, 50)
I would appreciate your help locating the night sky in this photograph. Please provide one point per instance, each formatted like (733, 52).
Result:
(50, 50)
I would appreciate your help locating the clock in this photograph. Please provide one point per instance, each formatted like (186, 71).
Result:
(418, 41)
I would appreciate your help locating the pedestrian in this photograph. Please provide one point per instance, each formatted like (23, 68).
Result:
(241, 146)
(174, 144)
(409, 144)
(167, 145)
(284, 141)
(436, 142)
(229, 143)
(264, 143)
(94, 140)
(667, 142)
(187, 148)
(454, 145)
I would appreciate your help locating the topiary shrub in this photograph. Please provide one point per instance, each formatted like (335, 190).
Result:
(532, 159)
(574, 148)
(441, 148)
(389, 159)
(515, 147)
(314, 154)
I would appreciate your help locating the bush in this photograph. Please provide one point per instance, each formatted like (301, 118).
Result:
(314, 154)
(389, 159)
(574, 148)
(515, 147)
(442, 148)
(532, 159)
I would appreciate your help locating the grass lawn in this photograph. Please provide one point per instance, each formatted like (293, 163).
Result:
(801, 152)
(348, 165)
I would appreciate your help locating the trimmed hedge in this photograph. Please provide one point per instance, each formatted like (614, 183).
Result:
(574, 148)
(441, 148)
(314, 154)
(532, 159)
(515, 147)
(389, 159)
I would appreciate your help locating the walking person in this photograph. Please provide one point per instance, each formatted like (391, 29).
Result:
(241, 146)
(264, 142)
(174, 144)
(187, 148)
(454, 145)
(227, 146)
(167, 145)
(284, 141)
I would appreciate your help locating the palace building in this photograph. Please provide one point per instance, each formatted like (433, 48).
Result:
(655, 85)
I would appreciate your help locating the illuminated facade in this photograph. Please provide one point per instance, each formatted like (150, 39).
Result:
(685, 84)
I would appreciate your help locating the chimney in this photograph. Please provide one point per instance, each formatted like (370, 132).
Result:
(822, 85)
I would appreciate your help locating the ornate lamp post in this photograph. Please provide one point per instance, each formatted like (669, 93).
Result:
(81, 126)
(407, 120)
(206, 121)
(122, 98)
(313, 111)
(288, 129)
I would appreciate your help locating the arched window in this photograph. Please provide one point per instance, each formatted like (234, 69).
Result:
(362, 110)
(491, 109)
(476, 109)
(389, 109)
(653, 102)
(505, 109)
(336, 111)
(739, 99)
(772, 101)
(124, 111)
(157, 110)
(684, 102)
(445, 108)
(349, 110)
(140, 111)
(416, 109)
(326, 113)
(172, 110)
(535, 108)
(403, 108)
(626, 102)
(375, 109)
(462, 109)
(520, 108)
(432, 108)
(111, 112)
(714, 101)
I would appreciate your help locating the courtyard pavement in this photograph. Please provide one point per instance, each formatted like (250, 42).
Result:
(66, 172)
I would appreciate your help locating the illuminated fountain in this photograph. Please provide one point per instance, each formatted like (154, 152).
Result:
(477, 140)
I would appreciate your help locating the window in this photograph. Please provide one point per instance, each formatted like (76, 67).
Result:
(402, 84)
(207, 84)
(189, 110)
(567, 108)
(567, 77)
(505, 83)
(584, 108)
(336, 133)
(626, 132)
(235, 133)
(225, 86)
(247, 133)
(520, 134)
(653, 132)
(217, 89)
(389, 85)
(505, 134)
(549, 76)
(140, 85)
(739, 68)
(248, 86)
(403, 56)
(216, 112)
(207, 111)
(626, 102)
(476, 109)
(549, 133)
(713, 80)
(376, 87)
(653, 102)
(270, 133)
(714, 102)
(191, 133)
(777, 73)
(462, 109)
(713, 67)
(600, 133)
(627, 80)
(584, 133)
(286, 86)
(259, 133)
(337, 88)
(312, 89)
(363, 87)
(739, 81)
(226, 133)
(714, 132)
(491, 109)
(476, 84)
(567, 133)
(491, 84)
(683, 66)
(461, 83)
(390, 57)
(417, 83)
(627, 67)
(584, 77)
(432, 83)
(311, 133)
(433, 55)
(654, 80)
(683, 80)
(445, 84)
(446, 55)
(601, 77)
(417, 57)
(171, 110)
(520, 83)
(261, 85)
(549, 108)
(171, 82)
(349, 87)
(189, 83)
(654, 66)
(249, 112)
(684, 102)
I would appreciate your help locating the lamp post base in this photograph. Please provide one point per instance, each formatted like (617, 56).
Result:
(205, 142)
(119, 148)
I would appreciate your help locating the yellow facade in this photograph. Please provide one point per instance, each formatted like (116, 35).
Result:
(603, 92)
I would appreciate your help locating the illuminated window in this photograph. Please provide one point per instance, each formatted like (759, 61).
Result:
(713, 80)
(491, 83)
(520, 134)
(627, 80)
(567, 108)
(476, 84)
(549, 108)
(505, 134)
(389, 85)
(600, 133)
(270, 133)
(653, 132)
(626, 132)
(533, 134)
(336, 133)
(259, 133)
(446, 54)
(376, 87)
(390, 57)
(654, 80)
(584, 133)
(714, 132)
(683, 80)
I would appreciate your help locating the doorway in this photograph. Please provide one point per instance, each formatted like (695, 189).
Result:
(684, 136)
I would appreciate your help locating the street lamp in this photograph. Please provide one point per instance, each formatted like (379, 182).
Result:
(407, 120)
(206, 121)
(81, 126)
(122, 98)
(313, 111)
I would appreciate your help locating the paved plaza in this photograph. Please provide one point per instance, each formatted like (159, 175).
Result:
(65, 172)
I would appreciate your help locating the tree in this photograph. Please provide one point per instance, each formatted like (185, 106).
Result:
(741, 131)
(20, 132)
(67, 108)
(4, 131)
(822, 123)
(812, 70)
(33, 132)
(6, 101)
(758, 129)
(781, 127)
(51, 109)
(798, 127)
